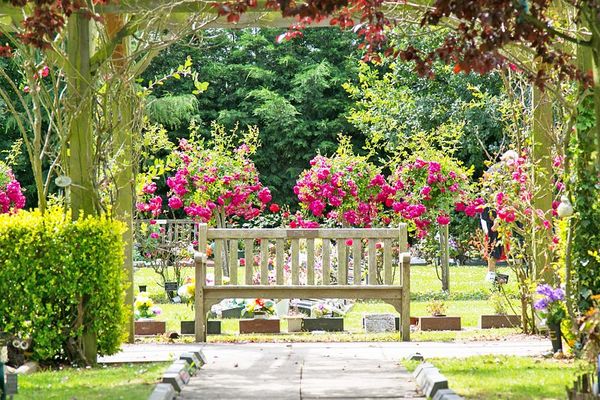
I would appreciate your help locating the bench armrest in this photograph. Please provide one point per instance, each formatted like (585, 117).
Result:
(200, 256)
(405, 258)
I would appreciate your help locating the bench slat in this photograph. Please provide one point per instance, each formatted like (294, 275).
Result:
(295, 261)
(372, 280)
(356, 260)
(310, 261)
(233, 262)
(387, 261)
(326, 261)
(218, 272)
(264, 262)
(342, 262)
(279, 250)
(305, 291)
(249, 258)
(403, 237)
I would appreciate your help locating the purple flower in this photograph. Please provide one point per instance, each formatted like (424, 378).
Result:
(541, 304)
(545, 290)
(557, 295)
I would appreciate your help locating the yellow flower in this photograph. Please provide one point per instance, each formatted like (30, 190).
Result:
(191, 289)
(143, 301)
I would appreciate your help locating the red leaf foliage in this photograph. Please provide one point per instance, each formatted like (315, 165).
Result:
(485, 27)
(48, 17)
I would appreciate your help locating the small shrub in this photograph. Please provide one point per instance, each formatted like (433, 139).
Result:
(59, 278)
(498, 302)
(436, 308)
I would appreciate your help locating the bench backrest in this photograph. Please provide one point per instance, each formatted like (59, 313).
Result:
(305, 256)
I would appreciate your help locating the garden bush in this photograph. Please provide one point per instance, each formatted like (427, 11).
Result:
(59, 279)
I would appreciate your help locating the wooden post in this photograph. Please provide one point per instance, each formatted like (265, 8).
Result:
(405, 302)
(122, 115)
(445, 257)
(542, 181)
(200, 270)
(78, 79)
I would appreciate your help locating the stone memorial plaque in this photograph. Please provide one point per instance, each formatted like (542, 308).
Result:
(379, 323)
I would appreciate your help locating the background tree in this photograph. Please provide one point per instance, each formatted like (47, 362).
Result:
(292, 91)
(394, 102)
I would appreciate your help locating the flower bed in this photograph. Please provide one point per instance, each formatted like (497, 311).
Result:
(148, 327)
(499, 321)
(259, 325)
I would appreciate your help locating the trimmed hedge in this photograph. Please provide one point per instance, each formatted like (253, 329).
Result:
(59, 278)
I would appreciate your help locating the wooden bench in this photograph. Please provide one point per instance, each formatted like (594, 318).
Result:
(321, 247)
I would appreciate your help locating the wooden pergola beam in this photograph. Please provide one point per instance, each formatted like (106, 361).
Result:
(256, 17)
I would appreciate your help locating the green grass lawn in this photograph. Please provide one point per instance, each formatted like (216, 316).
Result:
(507, 377)
(469, 311)
(466, 281)
(127, 382)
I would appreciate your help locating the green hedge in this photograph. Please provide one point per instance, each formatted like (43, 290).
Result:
(59, 278)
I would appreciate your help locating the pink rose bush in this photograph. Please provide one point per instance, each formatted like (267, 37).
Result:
(507, 190)
(426, 192)
(11, 195)
(344, 188)
(214, 181)
(149, 203)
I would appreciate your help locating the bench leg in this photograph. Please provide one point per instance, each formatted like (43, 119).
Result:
(405, 317)
(200, 325)
(405, 312)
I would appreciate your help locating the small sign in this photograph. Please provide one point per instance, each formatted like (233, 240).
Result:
(171, 286)
(501, 279)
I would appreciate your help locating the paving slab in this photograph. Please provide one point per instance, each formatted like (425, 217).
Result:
(310, 371)
(163, 352)
(300, 371)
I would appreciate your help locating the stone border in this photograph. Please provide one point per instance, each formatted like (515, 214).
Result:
(177, 375)
(432, 383)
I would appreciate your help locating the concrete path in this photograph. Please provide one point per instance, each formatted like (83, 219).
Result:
(300, 371)
(308, 371)
(525, 346)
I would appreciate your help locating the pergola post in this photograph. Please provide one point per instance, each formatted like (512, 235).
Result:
(81, 133)
(542, 182)
(122, 116)
(79, 79)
